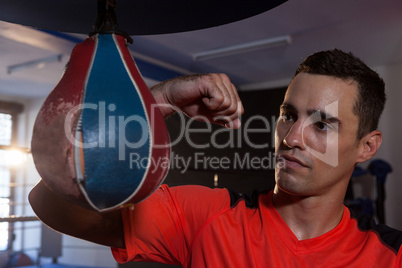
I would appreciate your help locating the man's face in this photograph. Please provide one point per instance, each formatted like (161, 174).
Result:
(316, 145)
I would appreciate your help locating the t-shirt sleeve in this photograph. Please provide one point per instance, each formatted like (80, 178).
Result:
(163, 227)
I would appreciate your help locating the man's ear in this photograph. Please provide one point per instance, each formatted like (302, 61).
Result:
(369, 145)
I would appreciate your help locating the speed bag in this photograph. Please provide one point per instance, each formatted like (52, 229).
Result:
(99, 138)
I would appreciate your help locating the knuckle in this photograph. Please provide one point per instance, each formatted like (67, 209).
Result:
(220, 99)
(226, 103)
(219, 77)
(232, 109)
(224, 77)
(212, 77)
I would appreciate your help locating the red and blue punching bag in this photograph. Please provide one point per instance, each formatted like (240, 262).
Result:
(99, 138)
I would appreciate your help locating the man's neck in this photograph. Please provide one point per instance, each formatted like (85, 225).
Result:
(308, 217)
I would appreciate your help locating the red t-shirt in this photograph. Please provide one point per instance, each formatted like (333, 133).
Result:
(196, 226)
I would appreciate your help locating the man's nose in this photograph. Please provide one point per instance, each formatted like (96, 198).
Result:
(294, 136)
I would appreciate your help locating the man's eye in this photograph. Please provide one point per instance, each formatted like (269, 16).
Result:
(321, 126)
(286, 118)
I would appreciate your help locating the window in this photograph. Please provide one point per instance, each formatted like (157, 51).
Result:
(8, 123)
(5, 178)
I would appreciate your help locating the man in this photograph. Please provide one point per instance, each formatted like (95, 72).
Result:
(328, 124)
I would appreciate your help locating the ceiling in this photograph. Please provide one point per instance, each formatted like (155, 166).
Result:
(371, 29)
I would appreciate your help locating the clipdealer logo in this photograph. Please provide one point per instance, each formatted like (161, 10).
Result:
(117, 124)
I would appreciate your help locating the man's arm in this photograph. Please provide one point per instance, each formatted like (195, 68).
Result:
(211, 97)
(69, 218)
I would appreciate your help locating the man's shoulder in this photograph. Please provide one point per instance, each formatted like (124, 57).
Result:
(222, 197)
(197, 196)
(196, 191)
(386, 234)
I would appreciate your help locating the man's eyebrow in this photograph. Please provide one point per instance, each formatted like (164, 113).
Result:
(288, 107)
(324, 116)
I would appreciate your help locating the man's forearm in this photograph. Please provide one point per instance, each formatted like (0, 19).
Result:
(69, 218)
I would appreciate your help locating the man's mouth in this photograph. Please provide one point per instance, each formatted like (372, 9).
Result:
(290, 161)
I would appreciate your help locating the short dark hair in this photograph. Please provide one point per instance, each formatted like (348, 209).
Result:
(371, 96)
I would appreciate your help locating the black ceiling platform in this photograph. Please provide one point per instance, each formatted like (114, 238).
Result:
(136, 17)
